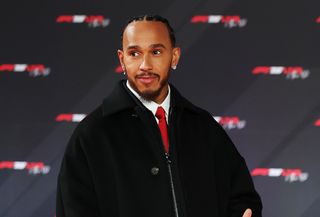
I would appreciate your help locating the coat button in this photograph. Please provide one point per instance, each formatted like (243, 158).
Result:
(154, 171)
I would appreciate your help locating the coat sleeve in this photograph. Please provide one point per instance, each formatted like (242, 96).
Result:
(243, 194)
(240, 193)
(75, 190)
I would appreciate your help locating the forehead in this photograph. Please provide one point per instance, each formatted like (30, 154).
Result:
(145, 33)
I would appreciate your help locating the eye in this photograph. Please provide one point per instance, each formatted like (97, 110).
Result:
(156, 52)
(134, 53)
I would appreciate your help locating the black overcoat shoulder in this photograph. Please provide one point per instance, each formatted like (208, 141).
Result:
(114, 165)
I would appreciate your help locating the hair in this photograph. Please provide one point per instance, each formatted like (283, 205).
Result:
(155, 18)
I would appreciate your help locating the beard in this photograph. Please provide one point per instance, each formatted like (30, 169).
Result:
(150, 95)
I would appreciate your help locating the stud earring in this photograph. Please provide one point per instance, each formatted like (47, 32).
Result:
(123, 69)
(174, 67)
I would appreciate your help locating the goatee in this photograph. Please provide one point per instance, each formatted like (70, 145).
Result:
(149, 95)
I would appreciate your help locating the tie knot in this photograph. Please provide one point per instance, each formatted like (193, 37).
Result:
(160, 113)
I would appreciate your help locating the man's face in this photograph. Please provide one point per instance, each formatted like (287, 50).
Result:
(146, 57)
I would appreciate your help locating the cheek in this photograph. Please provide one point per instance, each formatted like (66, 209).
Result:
(162, 63)
(132, 65)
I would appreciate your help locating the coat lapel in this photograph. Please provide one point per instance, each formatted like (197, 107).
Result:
(121, 99)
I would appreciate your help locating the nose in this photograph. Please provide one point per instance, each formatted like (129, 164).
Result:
(146, 64)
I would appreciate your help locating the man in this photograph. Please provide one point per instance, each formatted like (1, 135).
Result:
(147, 151)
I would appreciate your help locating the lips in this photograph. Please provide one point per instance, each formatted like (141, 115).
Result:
(147, 78)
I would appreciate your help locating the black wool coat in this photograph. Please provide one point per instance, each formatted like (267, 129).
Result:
(115, 165)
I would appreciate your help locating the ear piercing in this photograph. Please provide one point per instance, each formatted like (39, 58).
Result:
(123, 69)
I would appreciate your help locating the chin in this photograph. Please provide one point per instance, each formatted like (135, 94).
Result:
(148, 92)
(150, 95)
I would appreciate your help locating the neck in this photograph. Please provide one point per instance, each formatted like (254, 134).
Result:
(163, 94)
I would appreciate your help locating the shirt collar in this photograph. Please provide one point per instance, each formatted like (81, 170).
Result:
(151, 105)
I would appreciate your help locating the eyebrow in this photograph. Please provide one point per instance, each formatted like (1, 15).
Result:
(151, 46)
(157, 45)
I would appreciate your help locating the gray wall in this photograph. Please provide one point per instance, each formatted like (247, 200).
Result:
(274, 109)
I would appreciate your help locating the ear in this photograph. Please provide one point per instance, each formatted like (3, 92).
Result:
(176, 52)
(121, 59)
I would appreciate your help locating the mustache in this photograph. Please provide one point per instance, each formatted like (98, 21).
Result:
(147, 74)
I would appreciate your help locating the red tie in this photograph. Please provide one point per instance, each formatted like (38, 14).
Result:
(160, 114)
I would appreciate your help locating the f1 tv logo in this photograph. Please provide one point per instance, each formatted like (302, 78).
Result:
(92, 20)
(290, 175)
(230, 122)
(34, 168)
(229, 21)
(34, 70)
(291, 72)
(70, 117)
(118, 69)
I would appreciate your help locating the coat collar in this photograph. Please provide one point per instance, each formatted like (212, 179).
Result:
(121, 99)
